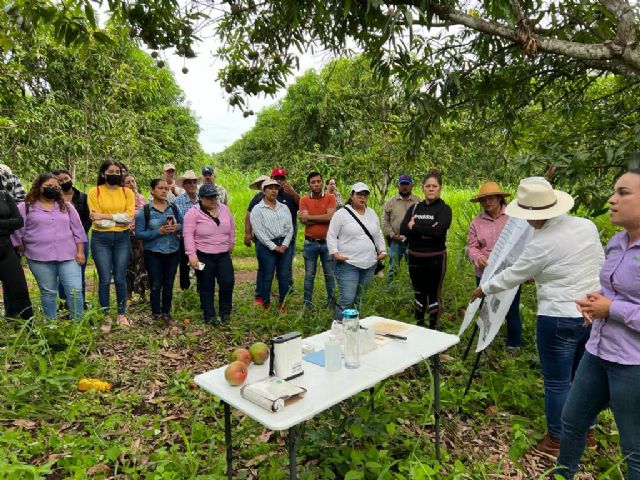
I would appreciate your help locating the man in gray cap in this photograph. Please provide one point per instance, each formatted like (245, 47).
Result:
(209, 176)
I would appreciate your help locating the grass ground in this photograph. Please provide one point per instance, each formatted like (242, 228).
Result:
(155, 424)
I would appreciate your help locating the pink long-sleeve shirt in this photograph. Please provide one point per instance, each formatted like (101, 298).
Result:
(201, 233)
(483, 235)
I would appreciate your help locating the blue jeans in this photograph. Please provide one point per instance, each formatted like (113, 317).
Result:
(598, 383)
(397, 251)
(111, 251)
(352, 282)
(161, 268)
(311, 251)
(561, 342)
(48, 274)
(514, 323)
(217, 267)
(83, 268)
(271, 262)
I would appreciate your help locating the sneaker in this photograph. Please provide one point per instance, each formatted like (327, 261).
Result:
(550, 444)
(258, 302)
(225, 319)
(123, 321)
(106, 325)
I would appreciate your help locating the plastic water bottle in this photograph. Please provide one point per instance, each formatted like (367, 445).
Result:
(332, 354)
(351, 323)
(337, 330)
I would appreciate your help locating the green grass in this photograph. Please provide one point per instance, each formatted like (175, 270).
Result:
(154, 423)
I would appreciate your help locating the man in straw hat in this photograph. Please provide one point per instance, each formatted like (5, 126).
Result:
(563, 256)
(484, 231)
(189, 183)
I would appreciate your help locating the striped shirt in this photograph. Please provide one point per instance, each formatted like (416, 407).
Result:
(271, 223)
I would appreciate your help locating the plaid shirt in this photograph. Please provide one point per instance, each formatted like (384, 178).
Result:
(184, 203)
(11, 184)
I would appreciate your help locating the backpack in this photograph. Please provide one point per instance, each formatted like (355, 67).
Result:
(147, 213)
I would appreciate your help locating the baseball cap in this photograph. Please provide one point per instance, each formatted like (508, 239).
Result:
(278, 172)
(208, 190)
(404, 178)
(268, 182)
(208, 169)
(168, 166)
(360, 187)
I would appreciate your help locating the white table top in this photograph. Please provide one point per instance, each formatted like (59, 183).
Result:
(325, 389)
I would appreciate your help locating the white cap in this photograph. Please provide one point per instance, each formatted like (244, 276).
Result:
(360, 187)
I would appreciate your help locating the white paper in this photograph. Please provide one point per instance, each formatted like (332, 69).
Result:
(508, 248)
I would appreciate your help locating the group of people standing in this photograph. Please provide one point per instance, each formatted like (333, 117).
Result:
(588, 316)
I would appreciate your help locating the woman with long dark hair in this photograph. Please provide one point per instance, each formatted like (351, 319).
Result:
(112, 209)
(609, 372)
(425, 226)
(14, 285)
(52, 238)
(158, 226)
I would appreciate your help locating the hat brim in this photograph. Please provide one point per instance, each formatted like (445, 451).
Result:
(564, 203)
(180, 181)
(492, 194)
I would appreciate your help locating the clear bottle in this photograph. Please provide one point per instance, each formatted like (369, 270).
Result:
(332, 354)
(351, 323)
(337, 330)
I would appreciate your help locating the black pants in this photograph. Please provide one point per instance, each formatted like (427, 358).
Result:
(217, 267)
(185, 282)
(16, 293)
(161, 268)
(427, 274)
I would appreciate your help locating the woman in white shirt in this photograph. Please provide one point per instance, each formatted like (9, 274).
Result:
(563, 256)
(355, 250)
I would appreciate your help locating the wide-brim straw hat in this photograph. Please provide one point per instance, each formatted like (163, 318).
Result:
(537, 200)
(188, 175)
(257, 183)
(488, 189)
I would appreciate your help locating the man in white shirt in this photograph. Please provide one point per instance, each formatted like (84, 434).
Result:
(564, 257)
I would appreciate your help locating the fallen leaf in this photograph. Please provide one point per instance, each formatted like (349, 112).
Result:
(174, 356)
(99, 468)
(26, 424)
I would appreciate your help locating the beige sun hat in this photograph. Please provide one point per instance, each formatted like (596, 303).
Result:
(488, 189)
(257, 183)
(537, 200)
(268, 182)
(188, 175)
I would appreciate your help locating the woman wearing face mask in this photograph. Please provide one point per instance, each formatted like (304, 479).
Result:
(425, 226)
(70, 194)
(137, 278)
(52, 238)
(112, 208)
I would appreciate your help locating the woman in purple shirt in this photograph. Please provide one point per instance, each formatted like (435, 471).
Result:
(52, 238)
(609, 373)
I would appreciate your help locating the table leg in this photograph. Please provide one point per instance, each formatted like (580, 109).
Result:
(372, 391)
(295, 433)
(227, 439)
(436, 401)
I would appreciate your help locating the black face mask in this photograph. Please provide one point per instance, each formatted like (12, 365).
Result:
(51, 193)
(113, 179)
(66, 186)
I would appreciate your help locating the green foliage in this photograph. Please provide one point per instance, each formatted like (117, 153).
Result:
(72, 107)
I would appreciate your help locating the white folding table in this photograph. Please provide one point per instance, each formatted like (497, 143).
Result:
(326, 389)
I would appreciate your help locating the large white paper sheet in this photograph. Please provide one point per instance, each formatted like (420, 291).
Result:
(506, 251)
